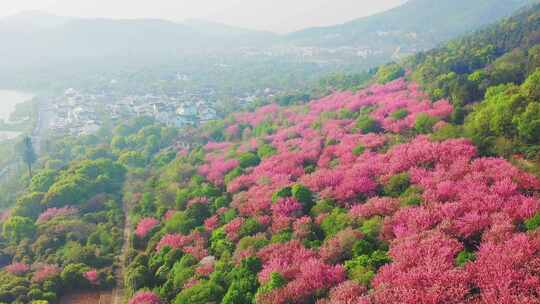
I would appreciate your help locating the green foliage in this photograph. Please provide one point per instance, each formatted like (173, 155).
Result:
(282, 193)
(202, 293)
(389, 72)
(464, 257)
(17, 228)
(411, 197)
(533, 223)
(362, 268)
(528, 124)
(181, 222)
(447, 132)
(292, 99)
(358, 150)
(219, 243)
(282, 236)
(220, 202)
(133, 159)
(342, 82)
(277, 280)
(265, 151)
(136, 277)
(336, 221)
(366, 124)
(364, 246)
(399, 114)
(263, 129)
(303, 195)
(397, 184)
(28, 155)
(244, 282)
(322, 206)
(424, 123)
(228, 215)
(72, 275)
(508, 112)
(234, 173)
(29, 205)
(248, 159)
(83, 180)
(372, 227)
(250, 227)
(42, 181)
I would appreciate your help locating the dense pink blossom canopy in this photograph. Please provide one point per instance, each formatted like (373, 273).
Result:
(145, 297)
(468, 203)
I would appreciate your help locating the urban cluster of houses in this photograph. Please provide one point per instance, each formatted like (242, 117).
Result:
(78, 113)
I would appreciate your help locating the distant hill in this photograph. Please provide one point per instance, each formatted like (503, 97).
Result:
(32, 20)
(415, 25)
(39, 48)
(38, 37)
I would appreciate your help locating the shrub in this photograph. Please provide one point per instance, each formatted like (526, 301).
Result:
(303, 195)
(282, 193)
(202, 293)
(399, 114)
(366, 124)
(397, 184)
(336, 221)
(465, 256)
(533, 223)
(411, 197)
(266, 151)
(424, 123)
(389, 72)
(358, 150)
(248, 159)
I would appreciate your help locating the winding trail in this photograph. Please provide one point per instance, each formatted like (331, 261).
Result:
(118, 293)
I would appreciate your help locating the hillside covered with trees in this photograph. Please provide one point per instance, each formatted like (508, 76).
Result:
(421, 186)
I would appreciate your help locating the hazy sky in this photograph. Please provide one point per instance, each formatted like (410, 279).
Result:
(274, 15)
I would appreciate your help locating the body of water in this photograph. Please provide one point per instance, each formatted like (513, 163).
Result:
(8, 101)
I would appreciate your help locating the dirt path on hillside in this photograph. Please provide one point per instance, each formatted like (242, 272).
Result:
(118, 293)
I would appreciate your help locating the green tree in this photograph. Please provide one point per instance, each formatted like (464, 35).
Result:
(389, 72)
(28, 154)
(17, 228)
(202, 293)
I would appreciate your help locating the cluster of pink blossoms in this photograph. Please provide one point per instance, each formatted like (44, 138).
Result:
(55, 212)
(303, 270)
(194, 244)
(217, 167)
(92, 276)
(17, 268)
(45, 272)
(145, 297)
(145, 225)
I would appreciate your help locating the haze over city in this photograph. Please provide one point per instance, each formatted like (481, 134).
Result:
(277, 16)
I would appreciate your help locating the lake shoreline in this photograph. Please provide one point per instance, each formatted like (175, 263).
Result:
(9, 99)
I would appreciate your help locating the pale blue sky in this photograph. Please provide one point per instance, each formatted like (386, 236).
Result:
(273, 15)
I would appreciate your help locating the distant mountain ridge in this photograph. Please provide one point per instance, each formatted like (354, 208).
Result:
(429, 19)
(62, 47)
